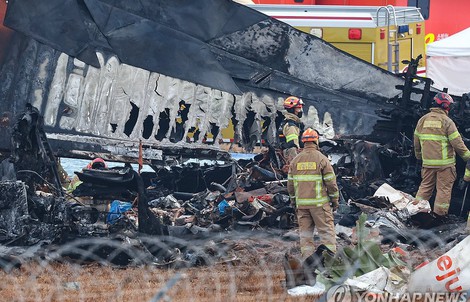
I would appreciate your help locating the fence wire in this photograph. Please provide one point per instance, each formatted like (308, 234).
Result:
(242, 266)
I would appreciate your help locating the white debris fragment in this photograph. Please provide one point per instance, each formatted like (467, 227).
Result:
(378, 281)
(303, 290)
(403, 200)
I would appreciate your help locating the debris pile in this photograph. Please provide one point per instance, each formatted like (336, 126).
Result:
(379, 226)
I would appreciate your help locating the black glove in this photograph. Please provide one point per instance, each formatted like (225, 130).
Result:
(462, 184)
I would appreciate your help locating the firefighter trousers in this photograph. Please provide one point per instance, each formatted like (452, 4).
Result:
(322, 218)
(443, 180)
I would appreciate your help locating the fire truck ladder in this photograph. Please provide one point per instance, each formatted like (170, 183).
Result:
(400, 16)
(393, 50)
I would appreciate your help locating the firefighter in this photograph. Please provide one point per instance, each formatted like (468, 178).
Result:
(312, 186)
(63, 176)
(292, 127)
(97, 164)
(436, 139)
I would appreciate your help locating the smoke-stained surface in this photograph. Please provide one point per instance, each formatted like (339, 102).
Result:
(176, 73)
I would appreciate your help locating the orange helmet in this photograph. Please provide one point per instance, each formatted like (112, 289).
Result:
(310, 135)
(443, 100)
(293, 102)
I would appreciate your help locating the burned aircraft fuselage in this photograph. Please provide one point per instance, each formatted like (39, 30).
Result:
(101, 96)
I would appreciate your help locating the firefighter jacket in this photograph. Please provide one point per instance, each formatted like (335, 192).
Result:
(435, 139)
(291, 130)
(466, 176)
(311, 179)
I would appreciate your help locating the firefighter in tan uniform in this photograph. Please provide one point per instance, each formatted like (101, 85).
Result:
(435, 139)
(292, 127)
(312, 184)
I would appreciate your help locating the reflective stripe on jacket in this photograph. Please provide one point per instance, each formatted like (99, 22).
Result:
(436, 139)
(292, 132)
(311, 178)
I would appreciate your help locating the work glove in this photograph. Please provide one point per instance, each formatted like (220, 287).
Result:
(334, 205)
(285, 169)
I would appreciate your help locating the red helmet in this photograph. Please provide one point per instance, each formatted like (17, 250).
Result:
(97, 163)
(443, 100)
(293, 102)
(310, 135)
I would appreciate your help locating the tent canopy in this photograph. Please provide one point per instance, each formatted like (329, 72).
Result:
(448, 63)
(455, 45)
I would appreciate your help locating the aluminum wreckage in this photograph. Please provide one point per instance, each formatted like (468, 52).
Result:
(107, 78)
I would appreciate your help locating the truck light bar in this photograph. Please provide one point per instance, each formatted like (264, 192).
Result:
(403, 29)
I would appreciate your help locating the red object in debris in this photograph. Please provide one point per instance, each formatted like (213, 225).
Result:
(400, 251)
(268, 198)
(422, 264)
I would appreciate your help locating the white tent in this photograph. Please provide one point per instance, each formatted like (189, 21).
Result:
(448, 63)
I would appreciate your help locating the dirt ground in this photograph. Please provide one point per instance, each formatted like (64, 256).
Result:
(62, 282)
(256, 275)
